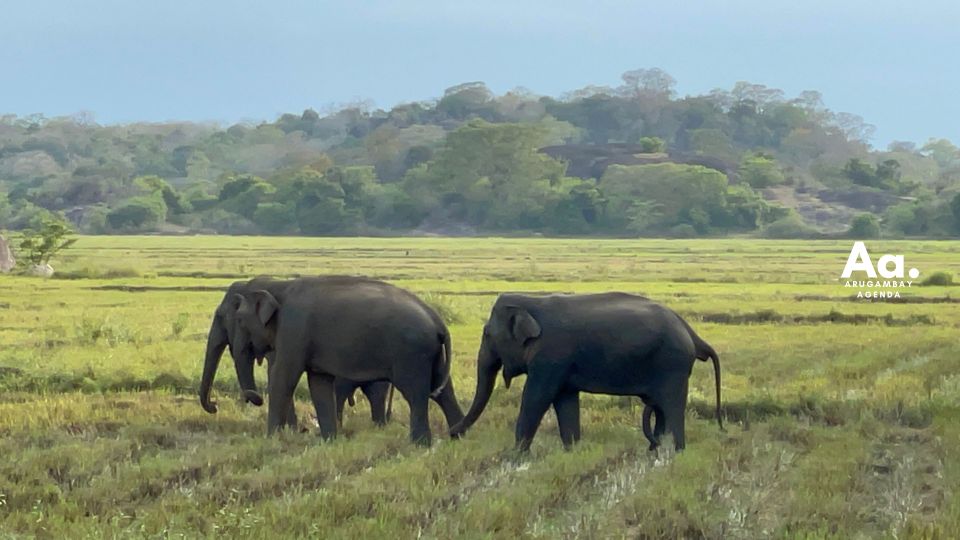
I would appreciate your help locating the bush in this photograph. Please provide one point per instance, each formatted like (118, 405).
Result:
(180, 324)
(90, 272)
(760, 172)
(789, 227)
(684, 230)
(938, 279)
(444, 307)
(137, 214)
(864, 226)
(652, 145)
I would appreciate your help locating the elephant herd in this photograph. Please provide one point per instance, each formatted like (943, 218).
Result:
(349, 332)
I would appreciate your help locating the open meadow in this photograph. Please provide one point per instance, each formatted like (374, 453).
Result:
(843, 416)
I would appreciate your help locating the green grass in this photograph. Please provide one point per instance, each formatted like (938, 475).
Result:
(843, 416)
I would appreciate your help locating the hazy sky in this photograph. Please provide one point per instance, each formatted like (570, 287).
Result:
(894, 63)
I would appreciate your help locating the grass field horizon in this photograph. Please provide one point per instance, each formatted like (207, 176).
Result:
(843, 415)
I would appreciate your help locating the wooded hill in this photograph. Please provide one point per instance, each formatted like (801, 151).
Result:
(625, 161)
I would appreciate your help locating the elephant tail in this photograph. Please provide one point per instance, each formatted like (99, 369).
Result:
(441, 367)
(705, 352)
(716, 375)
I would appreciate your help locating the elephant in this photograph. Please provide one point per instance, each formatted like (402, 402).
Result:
(225, 333)
(353, 327)
(608, 343)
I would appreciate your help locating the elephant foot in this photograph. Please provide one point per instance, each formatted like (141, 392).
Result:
(253, 397)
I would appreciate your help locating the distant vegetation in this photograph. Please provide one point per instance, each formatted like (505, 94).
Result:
(635, 160)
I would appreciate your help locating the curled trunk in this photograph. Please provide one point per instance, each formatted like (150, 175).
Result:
(487, 369)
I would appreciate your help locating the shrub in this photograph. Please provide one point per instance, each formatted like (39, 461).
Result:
(938, 279)
(789, 227)
(684, 230)
(444, 306)
(180, 324)
(41, 243)
(864, 226)
(90, 272)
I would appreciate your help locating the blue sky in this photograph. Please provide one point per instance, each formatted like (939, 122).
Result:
(894, 63)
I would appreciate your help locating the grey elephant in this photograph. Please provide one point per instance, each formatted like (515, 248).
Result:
(225, 334)
(610, 343)
(356, 328)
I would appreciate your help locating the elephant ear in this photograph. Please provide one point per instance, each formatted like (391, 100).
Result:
(523, 326)
(265, 305)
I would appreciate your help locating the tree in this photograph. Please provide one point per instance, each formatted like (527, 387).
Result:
(488, 174)
(654, 81)
(41, 243)
(468, 99)
(154, 184)
(861, 173)
(137, 214)
(652, 145)
(955, 210)
(864, 226)
(680, 194)
(241, 194)
(760, 171)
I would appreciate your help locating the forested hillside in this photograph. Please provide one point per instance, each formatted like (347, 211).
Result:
(633, 160)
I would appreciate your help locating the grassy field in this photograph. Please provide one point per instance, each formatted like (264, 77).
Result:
(843, 416)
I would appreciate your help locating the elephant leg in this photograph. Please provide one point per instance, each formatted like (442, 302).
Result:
(283, 383)
(447, 400)
(567, 407)
(291, 418)
(538, 393)
(419, 419)
(376, 393)
(652, 411)
(673, 404)
(322, 394)
(414, 385)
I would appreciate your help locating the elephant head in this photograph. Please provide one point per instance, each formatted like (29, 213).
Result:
(255, 318)
(226, 332)
(507, 339)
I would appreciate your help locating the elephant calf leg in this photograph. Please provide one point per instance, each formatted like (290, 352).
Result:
(322, 395)
(567, 408)
(376, 393)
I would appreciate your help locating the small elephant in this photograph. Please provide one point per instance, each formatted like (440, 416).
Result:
(352, 327)
(610, 343)
(379, 394)
(225, 333)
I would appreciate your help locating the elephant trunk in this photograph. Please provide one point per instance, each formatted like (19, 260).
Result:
(244, 363)
(487, 368)
(216, 342)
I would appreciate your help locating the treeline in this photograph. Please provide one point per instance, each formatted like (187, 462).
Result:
(630, 160)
